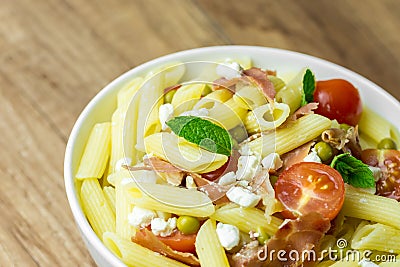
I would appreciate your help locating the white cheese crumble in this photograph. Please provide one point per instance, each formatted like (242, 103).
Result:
(190, 184)
(163, 228)
(122, 161)
(242, 197)
(227, 179)
(312, 157)
(247, 167)
(229, 70)
(203, 112)
(245, 150)
(140, 217)
(228, 235)
(272, 161)
(165, 112)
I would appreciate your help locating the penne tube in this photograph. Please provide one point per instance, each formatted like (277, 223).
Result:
(127, 92)
(170, 199)
(109, 194)
(97, 151)
(366, 206)
(249, 97)
(293, 135)
(266, 117)
(96, 207)
(183, 154)
(134, 255)
(229, 114)
(208, 248)
(247, 219)
(377, 237)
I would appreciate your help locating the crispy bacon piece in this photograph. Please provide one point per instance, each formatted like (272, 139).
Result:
(148, 240)
(259, 77)
(343, 140)
(296, 155)
(301, 235)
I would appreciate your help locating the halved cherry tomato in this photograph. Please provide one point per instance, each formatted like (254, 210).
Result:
(230, 165)
(338, 99)
(180, 242)
(308, 186)
(389, 162)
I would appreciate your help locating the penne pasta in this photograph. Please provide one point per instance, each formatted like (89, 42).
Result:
(170, 199)
(183, 154)
(186, 97)
(208, 248)
(97, 151)
(96, 207)
(249, 97)
(229, 114)
(377, 237)
(359, 204)
(291, 94)
(126, 94)
(266, 117)
(282, 140)
(247, 219)
(109, 194)
(135, 255)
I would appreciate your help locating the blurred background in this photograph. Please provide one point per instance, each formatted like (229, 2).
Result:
(55, 55)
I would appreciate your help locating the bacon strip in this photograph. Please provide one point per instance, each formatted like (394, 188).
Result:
(259, 77)
(148, 240)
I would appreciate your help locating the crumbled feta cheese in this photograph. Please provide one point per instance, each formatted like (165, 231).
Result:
(367, 263)
(165, 112)
(243, 183)
(140, 217)
(228, 235)
(229, 70)
(245, 150)
(227, 179)
(163, 228)
(312, 157)
(376, 172)
(203, 112)
(242, 197)
(247, 167)
(122, 161)
(190, 184)
(272, 161)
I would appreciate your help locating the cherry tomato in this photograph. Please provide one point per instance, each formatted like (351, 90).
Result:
(388, 161)
(338, 99)
(230, 165)
(180, 242)
(309, 186)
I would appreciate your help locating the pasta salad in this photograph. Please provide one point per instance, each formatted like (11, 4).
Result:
(240, 166)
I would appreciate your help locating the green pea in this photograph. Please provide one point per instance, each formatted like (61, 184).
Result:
(324, 151)
(206, 90)
(344, 126)
(168, 96)
(273, 179)
(387, 143)
(188, 224)
(262, 235)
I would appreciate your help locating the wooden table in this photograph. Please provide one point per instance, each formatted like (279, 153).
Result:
(57, 54)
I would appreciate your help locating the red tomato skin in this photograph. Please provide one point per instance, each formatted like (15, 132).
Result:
(180, 242)
(300, 194)
(338, 99)
(389, 162)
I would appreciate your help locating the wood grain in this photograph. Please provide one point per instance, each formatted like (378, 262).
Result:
(57, 54)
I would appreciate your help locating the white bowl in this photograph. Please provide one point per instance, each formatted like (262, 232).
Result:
(103, 104)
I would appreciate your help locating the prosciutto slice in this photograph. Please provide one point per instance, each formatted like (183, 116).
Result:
(148, 240)
(259, 77)
(340, 139)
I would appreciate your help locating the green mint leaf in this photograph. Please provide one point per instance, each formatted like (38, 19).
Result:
(353, 171)
(307, 95)
(203, 133)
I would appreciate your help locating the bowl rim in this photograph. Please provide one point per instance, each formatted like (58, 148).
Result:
(83, 225)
